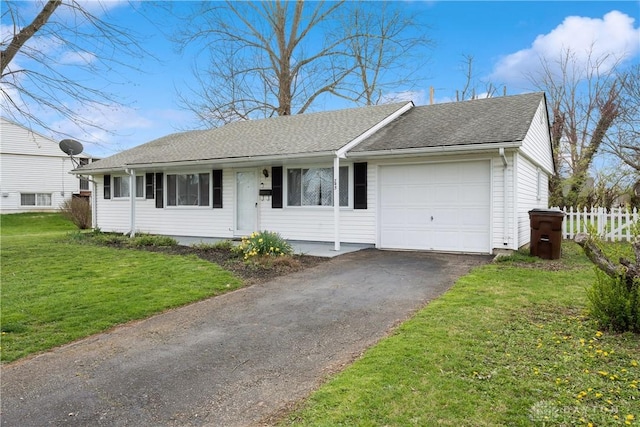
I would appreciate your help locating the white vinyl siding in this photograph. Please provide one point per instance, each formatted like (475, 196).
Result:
(32, 164)
(114, 216)
(356, 225)
(533, 193)
(312, 223)
(537, 143)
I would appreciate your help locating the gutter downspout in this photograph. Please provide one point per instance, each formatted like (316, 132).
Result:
(94, 205)
(342, 154)
(505, 220)
(336, 203)
(132, 201)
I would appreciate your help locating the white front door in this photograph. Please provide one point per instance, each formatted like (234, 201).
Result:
(246, 202)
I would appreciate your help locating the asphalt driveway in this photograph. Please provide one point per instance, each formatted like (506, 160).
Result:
(233, 360)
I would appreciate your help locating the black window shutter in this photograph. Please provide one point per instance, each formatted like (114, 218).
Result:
(159, 195)
(276, 187)
(360, 186)
(217, 188)
(148, 179)
(107, 186)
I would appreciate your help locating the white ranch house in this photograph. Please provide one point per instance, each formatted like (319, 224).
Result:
(34, 173)
(457, 177)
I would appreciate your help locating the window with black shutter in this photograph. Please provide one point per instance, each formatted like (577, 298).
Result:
(149, 185)
(107, 186)
(276, 187)
(217, 188)
(159, 194)
(360, 186)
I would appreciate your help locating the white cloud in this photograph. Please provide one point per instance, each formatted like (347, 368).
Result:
(81, 58)
(112, 123)
(94, 7)
(613, 36)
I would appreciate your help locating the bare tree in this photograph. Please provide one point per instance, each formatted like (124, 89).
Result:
(624, 141)
(279, 58)
(584, 98)
(386, 47)
(470, 89)
(40, 52)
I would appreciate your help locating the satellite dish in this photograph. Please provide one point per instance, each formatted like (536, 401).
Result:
(71, 147)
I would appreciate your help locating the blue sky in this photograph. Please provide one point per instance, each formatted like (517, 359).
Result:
(505, 38)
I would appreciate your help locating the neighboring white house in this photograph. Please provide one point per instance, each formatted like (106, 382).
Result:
(457, 177)
(34, 173)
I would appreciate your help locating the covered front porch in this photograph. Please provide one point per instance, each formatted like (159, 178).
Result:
(300, 247)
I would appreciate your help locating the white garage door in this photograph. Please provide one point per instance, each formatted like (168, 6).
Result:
(439, 206)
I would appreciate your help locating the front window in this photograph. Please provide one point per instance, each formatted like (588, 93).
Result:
(35, 199)
(314, 186)
(188, 190)
(121, 186)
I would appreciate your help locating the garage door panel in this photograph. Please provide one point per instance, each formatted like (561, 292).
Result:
(406, 238)
(421, 197)
(446, 194)
(415, 218)
(476, 193)
(446, 172)
(445, 217)
(472, 223)
(394, 195)
(455, 195)
(475, 241)
(393, 216)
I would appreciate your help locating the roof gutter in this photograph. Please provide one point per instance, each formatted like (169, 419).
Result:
(437, 150)
(178, 164)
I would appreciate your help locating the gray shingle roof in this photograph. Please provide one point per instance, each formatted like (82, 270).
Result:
(322, 132)
(493, 120)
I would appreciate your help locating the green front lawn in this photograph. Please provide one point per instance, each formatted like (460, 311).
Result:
(509, 345)
(55, 290)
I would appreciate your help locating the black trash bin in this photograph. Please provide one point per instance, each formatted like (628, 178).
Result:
(546, 233)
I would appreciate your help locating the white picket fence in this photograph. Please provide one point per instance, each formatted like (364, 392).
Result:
(611, 224)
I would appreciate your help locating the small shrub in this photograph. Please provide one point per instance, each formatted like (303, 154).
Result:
(263, 243)
(613, 305)
(77, 236)
(109, 239)
(521, 255)
(152, 240)
(78, 211)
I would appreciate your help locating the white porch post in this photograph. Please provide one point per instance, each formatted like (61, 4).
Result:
(336, 203)
(132, 201)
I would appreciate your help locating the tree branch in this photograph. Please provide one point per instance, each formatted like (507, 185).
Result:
(18, 40)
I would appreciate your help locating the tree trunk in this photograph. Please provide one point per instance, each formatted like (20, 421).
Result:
(627, 271)
(18, 40)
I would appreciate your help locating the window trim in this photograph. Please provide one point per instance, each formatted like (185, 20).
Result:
(167, 190)
(139, 194)
(349, 185)
(35, 204)
(83, 182)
